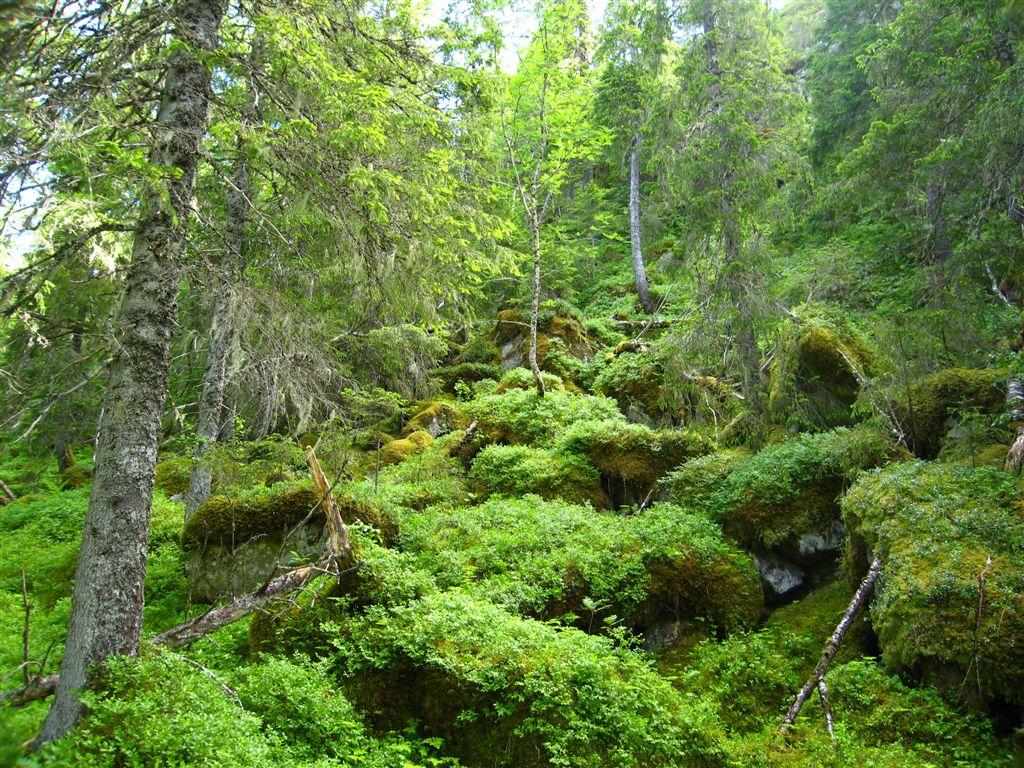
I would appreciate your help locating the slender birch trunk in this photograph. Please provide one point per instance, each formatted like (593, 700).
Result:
(106, 611)
(535, 308)
(636, 247)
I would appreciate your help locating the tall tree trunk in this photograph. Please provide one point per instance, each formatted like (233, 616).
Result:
(210, 421)
(535, 309)
(636, 247)
(1015, 401)
(106, 611)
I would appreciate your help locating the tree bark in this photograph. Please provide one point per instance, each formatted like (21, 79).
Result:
(1015, 400)
(210, 421)
(106, 612)
(636, 249)
(813, 683)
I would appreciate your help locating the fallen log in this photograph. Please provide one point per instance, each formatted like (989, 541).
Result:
(39, 688)
(817, 678)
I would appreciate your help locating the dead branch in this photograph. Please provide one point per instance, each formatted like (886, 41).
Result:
(816, 680)
(39, 688)
(6, 497)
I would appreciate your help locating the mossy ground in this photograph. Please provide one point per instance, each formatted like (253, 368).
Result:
(951, 604)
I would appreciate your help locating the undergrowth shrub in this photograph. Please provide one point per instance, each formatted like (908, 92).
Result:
(558, 560)
(516, 470)
(502, 690)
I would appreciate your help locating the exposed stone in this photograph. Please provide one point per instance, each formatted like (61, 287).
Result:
(779, 577)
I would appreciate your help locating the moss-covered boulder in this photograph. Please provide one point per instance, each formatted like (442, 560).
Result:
(929, 407)
(631, 457)
(950, 604)
(466, 374)
(436, 417)
(554, 560)
(234, 543)
(398, 451)
(517, 470)
(818, 369)
(173, 475)
(634, 379)
(776, 497)
(501, 690)
(562, 342)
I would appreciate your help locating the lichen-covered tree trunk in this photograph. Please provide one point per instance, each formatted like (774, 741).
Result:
(106, 611)
(639, 273)
(1015, 401)
(209, 422)
(535, 308)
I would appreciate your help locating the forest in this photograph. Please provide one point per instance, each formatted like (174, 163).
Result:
(493, 383)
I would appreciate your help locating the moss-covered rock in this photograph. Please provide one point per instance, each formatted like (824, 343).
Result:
(173, 475)
(562, 342)
(398, 451)
(693, 484)
(551, 559)
(522, 378)
(818, 368)
(635, 381)
(516, 470)
(234, 543)
(506, 691)
(950, 604)
(436, 417)
(771, 498)
(631, 457)
(928, 407)
(466, 373)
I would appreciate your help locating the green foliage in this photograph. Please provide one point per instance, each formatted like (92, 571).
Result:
(793, 486)
(950, 604)
(558, 560)
(522, 378)
(924, 408)
(520, 417)
(631, 452)
(519, 691)
(517, 470)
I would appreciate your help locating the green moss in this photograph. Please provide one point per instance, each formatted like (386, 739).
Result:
(632, 453)
(399, 450)
(522, 378)
(467, 373)
(936, 527)
(521, 417)
(505, 691)
(551, 559)
(634, 380)
(75, 476)
(793, 486)
(925, 408)
(818, 368)
(268, 512)
(516, 470)
(173, 475)
(436, 417)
